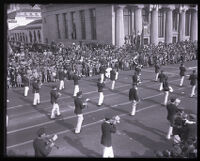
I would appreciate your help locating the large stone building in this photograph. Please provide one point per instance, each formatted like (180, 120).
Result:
(110, 23)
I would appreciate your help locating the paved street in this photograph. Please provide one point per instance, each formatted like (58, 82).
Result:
(137, 136)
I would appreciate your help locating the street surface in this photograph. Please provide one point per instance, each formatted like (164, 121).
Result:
(137, 136)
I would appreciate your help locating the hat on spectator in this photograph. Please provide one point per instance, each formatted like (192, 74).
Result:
(173, 99)
(108, 116)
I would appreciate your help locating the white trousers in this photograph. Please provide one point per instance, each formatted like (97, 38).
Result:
(76, 90)
(26, 89)
(62, 85)
(134, 103)
(161, 86)
(101, 97)
(79, 123)
(102, 77)
(113, 84)
(117, 74)
(55, 109)
(108, 152)
(156, 76)
(170, 130)
(166, 97)
(36, 99)
(193, 90)
(182, 79)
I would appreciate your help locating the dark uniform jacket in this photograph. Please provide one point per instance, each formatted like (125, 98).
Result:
(193, 78)
(75, 78)
(157, 68)
(165, 86)
(191, 131)
(133, 94)
(135, 79)
(182, 71)
(40, 148)
(61, 75)
(161, 77)
(171, 112)
(112, 75)
(36, 88)
(25, 81)
(100, 86)
(54, 96)
(107, 129)
(78, 106)
(101, 70)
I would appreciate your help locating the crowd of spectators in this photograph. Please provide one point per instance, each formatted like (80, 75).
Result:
(86, 59)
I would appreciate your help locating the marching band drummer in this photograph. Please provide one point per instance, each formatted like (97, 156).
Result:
(54, 101)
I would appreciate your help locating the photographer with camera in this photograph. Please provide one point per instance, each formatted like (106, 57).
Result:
(107, 128)
(41, 147)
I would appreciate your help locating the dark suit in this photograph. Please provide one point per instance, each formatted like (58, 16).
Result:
(107, 129)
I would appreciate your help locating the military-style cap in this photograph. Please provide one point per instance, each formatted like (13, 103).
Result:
(108, 116)
(41, 131)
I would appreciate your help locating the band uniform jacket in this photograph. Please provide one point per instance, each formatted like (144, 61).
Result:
(193, 78)
(101, 70)
(36, 87)
(25, 81)
(107, 129)
(40, 148)
(112, 75)
(157, 68)
(171, 112)
(75, 78)
(100, 86)
(54, 96)
(161, 77)
(182, 71)
(133, 94)
(135, 79)
(78, 105)
(165, 86)
(61, 75)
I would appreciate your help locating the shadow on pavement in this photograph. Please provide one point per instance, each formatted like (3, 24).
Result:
(76, 143)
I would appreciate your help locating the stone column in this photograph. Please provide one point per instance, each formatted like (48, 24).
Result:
(181, 32)
(138, 19)
(168, 26)
(119, 32)
(154, 26)
(69, 18)
(194, 27)
(88, 25)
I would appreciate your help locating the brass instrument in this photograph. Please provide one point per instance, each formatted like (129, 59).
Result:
(115, 120)
(51, 141)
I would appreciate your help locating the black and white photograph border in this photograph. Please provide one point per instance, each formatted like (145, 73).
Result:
(101, 80)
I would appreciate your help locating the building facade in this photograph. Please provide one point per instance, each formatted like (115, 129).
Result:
(111, 23)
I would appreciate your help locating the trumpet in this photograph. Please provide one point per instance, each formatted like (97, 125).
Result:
(115, 120)
(51, 141)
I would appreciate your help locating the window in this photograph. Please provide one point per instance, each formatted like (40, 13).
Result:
(93, 23)
(187, 24)
(57, 23)
(73, 34)
(145, 16)
(160, 24)
(175, 21)
(82, 17)
(65, 25)
(127, 21)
